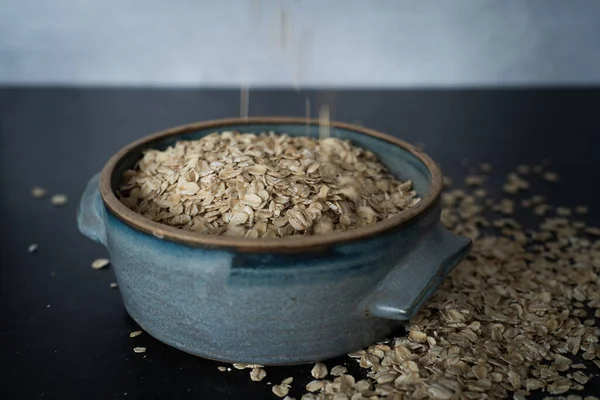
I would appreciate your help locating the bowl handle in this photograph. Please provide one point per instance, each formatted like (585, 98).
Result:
(90, 214)
(416, 277)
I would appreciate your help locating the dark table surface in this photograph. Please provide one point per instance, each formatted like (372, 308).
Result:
(65, 334)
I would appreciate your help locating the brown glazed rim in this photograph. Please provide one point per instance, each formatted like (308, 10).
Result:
(287, 244)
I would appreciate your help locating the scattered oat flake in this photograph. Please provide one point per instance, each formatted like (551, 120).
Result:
(221, 368)
(550, 176)
(319, 371)
(474, 180)
(32, 248)
(58, 200)
(38, 192)
(139, 349)
(581, 210)
(541, 209)
(113, 285)
(287, 381)
(592, 231)
(563, 211)
(100, 263)
(135, 333)
(280, 390)
(485, 167)
(257, 374)
(338, 370)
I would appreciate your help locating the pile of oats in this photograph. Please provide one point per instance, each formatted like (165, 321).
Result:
(264, 185)
(518, 316)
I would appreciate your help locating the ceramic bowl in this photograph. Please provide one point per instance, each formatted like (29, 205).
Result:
(280, 300)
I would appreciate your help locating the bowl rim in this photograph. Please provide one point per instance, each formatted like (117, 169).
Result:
(261, 245)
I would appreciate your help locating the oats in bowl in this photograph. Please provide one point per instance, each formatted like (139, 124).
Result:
(264, 185)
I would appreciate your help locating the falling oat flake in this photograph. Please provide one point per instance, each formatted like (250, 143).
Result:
(32, 248)
(135, 334)
(100, 263)
(38, 192)
(58, 200)
(139, 349)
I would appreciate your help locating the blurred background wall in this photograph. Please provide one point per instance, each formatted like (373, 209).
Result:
(391, 43)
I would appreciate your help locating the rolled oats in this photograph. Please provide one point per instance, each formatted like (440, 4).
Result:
(264, 185)
(319, 371)
(508, 319)
(257, 374)
(100, 263)
(58, 200)
(550, 176)
(38, 192)
(282, 389)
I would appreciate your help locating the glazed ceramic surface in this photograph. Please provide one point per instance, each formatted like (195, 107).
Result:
(283, 301)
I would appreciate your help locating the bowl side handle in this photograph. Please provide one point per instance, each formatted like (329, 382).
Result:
(402, 292)
(90, 214)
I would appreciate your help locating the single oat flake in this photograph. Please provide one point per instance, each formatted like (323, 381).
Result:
(581, 210)
(319, 371)
(100, 263)
(264, 185)
(58, 200)
(486, 168)
(281, 390)
(135, 334)
(551, 176)
(139, 349)
(32, 248)
(257, 374)
(38, 192)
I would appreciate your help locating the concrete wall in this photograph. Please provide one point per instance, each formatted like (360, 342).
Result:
(395, 43)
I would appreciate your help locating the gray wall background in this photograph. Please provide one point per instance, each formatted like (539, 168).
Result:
(393, 43)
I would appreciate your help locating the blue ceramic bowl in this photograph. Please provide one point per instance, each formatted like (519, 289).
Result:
(281, 300)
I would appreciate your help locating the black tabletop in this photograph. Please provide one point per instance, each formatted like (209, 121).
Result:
(64, 332)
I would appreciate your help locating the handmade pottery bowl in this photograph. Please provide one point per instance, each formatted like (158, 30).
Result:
(281, 300)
